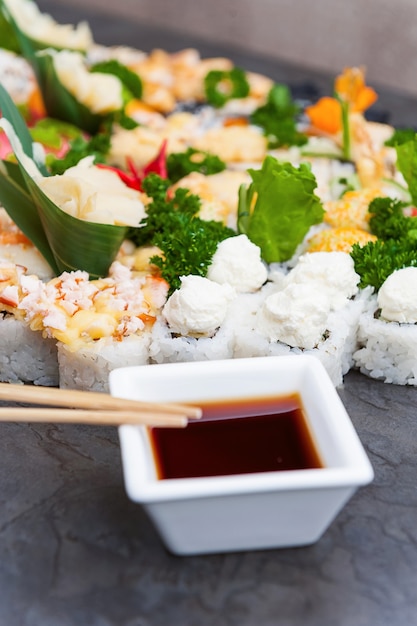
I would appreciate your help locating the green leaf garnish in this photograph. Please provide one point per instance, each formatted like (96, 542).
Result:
(59, 102)
(16, 39)
(16, 199)
(8, 38)
(395, 248)
(285, 207)
(223, 85)
(11, 113)
(66, 242)
(50, 133)
(399, 136)
(407, 164)
(180, 164)
(127, 77)
(24, 45)
(77, 244)
(277, 118)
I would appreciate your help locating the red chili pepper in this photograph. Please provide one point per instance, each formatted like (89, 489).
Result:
(129, 181)
(135, 178)
(159, 164)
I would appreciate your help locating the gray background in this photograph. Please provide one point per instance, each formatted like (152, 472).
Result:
(324, 35)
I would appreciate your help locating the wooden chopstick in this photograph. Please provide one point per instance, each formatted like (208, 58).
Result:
(91, 417)
(90, 400)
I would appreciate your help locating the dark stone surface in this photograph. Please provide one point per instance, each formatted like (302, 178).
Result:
(75, 551)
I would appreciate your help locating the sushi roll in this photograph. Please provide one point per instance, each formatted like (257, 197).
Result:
(25, 356)
(314, 309)
(191, 325)
(387, 331)
(88, 367)
(73, 329)
(93, 325)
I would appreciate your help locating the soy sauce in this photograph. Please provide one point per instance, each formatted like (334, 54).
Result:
(238, 437)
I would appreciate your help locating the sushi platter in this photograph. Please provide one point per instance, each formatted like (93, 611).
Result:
(174, 204)
(167, 207)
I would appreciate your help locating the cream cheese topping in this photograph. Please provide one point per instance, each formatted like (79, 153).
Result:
(198, 307)
(237, 262)
(296, 315)
(331, 273)
(397, 297)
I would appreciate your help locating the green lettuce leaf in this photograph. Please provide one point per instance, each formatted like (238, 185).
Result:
(400, 135)
(285, 207)
(51, 133)
(407, 164)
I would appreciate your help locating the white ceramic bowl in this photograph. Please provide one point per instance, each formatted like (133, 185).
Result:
(249, 511)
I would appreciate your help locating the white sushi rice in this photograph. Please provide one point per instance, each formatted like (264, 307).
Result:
(25, 356)
(88, 368)
(386, 351)
(335, 351)
(166, 347)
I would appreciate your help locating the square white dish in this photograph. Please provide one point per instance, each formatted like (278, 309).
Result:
(261, 510)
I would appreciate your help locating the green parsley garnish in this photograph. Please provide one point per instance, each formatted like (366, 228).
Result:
(187, 242)
(98, 146)
(376, 260)
(396, 246)
(277, 118)
(223, 85)
(179, 164)
(388, 221)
